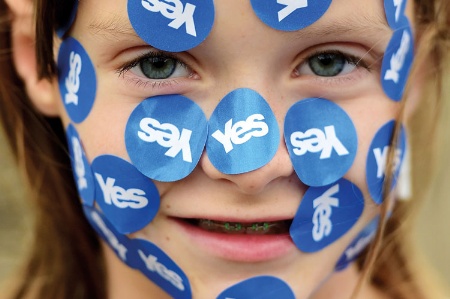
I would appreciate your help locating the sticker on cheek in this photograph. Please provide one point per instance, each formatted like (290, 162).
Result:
(76, 79)
(117, 242)
(377, 159)
(69, 8)
(161, 269)
(128, 199)
(321, 140)
(290, 15)
(243, 133)
(395, 12)
(358, 245)
(397, 62)
(325, 214)
(259, 287)
(175, 25)
(165, 137)
(81, 168)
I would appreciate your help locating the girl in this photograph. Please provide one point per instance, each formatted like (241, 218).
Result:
(226, 149)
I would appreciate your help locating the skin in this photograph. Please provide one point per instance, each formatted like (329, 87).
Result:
(260, 58)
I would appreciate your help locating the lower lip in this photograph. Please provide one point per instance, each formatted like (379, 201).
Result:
(239, 247)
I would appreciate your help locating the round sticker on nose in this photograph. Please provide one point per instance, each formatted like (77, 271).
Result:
(81, 168)
(325, 214)
(165, 137)
(321, 140)
(377, 159)
(395, 12)
(259, 288)
(128, 199)
(290, 15)
(161, 269)
(76, 79)
(243, 133)
(358, 245)
(397, 61)
(175, 25)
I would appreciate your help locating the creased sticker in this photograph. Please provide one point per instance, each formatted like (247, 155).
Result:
(70, 10)
(395, 12)
(290, 15)
(358, 245)
(128, 199)
(321, 140)
(243, 133)
(397, 61)
(174, 25)
(260, 287)
(81, 168)
(377, 159)
(325, 214)
(165, 137)
(76, 79)
(161, 269)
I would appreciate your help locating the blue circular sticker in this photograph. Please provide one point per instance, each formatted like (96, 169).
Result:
(358, 245)
(377, 159)
(325, 214)
(290, 15)
(174, 25)
(161, 269)
(128, 199)
(321, 140)
(259, 287)
(243, 133)
(165, 137)
(81, 168)
(117, 242)
(395, 12)
(64, 28)
(76, 79)
(397, 61)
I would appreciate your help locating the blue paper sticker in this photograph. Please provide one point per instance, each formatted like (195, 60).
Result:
(81, 168)
(76, 79)
(116, 241)
(321, 140)
(395, 12)
(243, 133)
(261, 287)
(377, 158)
(64, 28)
(325, 214)
(128, 199)
(358, 245)
(290, 15)
(397, 61)
(165, 137)
(161, 269)
(172, 25)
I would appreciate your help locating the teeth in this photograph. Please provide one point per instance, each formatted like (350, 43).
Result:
(244, 228)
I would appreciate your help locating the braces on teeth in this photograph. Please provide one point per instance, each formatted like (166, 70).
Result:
(257, 227)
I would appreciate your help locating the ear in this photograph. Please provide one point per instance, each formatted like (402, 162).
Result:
(41, 92)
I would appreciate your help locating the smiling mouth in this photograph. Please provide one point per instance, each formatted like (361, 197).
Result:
(249, 228)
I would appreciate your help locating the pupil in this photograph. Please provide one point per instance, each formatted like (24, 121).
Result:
(158, 67)
(327, 64)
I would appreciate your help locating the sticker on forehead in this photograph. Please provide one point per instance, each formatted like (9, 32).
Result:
(325, 214)
(76, 79)
(68, 8)
(397, 61)
(321, 140)
(161, 269)
(377, 158)
(243, 133)
(358, 245)
(118, 242)
(128, 199)
(290, 15)
(165, 137)
(172, 25)
(395, 12)
(81, 168)
(257, 288)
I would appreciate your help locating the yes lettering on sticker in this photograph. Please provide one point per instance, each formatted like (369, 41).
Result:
(80, 170)
(395, 13)
(73, 79)
(290, 7)
(322, 212)
(381, 156)
(398, 59)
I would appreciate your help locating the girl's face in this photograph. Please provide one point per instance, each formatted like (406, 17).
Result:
(222, 228)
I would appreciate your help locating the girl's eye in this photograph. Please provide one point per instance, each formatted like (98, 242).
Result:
(328, 64)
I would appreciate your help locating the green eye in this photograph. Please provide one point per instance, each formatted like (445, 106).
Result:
(158, 67)
(327, 64)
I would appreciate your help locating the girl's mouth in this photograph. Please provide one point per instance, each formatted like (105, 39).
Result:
(249, 228)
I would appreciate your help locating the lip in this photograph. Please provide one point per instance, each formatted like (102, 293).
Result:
(238, 247)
